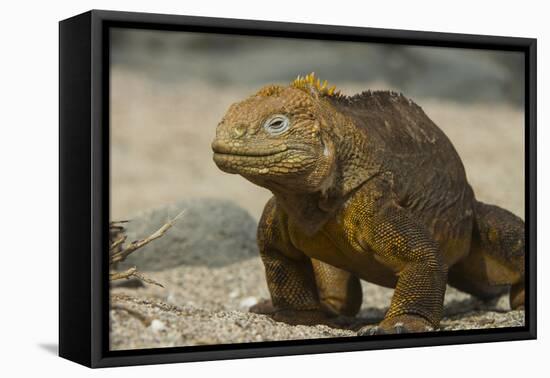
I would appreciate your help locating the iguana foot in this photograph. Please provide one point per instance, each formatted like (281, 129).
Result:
(289, 316)
(397, 325)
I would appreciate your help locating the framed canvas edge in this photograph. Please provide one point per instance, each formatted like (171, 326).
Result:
(100, 21)
(75, 232)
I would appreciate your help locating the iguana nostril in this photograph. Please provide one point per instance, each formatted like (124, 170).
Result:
(239, 130)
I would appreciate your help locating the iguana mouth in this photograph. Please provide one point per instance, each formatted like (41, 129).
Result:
(221, 148)
(245, 154)
(248, 163)
(261, 159)
(249, 159)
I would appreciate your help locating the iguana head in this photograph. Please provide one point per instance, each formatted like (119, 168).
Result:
(280, 138)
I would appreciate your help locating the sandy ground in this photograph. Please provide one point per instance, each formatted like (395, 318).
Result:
(209, 266)
(205, 305)
(160, 138)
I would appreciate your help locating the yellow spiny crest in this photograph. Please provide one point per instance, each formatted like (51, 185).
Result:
(310, 82)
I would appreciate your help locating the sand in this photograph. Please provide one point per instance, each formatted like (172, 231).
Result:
(205, 305)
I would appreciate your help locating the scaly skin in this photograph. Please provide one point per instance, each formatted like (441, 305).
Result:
(364, 187)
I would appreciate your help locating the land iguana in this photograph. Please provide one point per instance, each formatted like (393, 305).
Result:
(364, 187)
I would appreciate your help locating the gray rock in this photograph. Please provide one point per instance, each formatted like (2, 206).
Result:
(211, 232)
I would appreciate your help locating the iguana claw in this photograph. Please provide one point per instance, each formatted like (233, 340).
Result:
(398, 325)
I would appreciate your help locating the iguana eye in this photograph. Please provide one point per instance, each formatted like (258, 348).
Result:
(277, 124)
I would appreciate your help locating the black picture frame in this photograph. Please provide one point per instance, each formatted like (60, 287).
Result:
(84, 186)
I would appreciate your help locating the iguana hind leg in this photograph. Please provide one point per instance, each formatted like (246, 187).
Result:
(497, 258)
(339, 291)
(289, 275)
(294, 296)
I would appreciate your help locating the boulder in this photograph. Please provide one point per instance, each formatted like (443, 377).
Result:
(211, 232)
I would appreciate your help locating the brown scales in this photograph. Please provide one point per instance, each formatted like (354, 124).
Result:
(364, 187)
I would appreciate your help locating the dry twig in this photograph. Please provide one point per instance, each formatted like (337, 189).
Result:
(120, 255)
(132, 272)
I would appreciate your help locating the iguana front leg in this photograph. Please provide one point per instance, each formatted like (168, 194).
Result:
(405, 246)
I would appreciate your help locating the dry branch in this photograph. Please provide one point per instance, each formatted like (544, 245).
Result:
(118, 253)
(132, 272)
